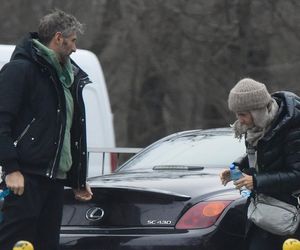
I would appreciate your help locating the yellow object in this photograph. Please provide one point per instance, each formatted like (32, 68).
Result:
(23, 245)
(291, 244)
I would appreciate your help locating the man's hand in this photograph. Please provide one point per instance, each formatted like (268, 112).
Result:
(225, 176)
(246, 181)
(83, 194)
(15, 182)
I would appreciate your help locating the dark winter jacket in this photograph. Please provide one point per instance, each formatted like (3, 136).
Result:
(278, 152)
(33, 116)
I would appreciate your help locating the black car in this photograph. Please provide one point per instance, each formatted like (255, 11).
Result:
(168, 196)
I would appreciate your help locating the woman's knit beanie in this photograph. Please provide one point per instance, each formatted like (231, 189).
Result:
(248, 95)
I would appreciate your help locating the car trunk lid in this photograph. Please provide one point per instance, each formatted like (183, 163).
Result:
(124, 207)
(139, 199)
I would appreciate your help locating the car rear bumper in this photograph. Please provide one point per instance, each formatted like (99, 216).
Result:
(204, 239)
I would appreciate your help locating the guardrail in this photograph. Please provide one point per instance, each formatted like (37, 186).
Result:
(114, 159)
(114, 150)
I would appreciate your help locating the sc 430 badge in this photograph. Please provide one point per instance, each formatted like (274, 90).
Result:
(159, 222)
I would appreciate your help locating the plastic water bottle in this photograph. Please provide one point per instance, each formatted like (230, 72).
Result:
(236, 174)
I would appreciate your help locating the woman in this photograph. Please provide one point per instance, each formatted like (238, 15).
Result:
(271, 127)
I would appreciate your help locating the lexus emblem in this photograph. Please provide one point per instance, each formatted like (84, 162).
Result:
(94, 214)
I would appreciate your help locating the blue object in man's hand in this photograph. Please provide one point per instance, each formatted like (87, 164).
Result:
(3, 194)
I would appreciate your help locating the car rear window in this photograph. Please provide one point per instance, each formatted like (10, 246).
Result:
(192, 150)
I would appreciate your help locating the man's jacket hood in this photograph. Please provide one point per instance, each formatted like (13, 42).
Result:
(24, 48)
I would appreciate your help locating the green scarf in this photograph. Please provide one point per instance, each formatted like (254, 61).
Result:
(66, 77)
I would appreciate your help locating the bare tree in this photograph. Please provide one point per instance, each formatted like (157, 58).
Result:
(169, 64)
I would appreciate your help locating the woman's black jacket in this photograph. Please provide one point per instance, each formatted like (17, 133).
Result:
(33, 117)
(278, 152)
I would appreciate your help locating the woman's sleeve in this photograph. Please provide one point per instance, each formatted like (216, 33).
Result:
(287, 179)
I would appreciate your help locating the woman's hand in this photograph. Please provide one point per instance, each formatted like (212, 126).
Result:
(225, 176)
(246, 181)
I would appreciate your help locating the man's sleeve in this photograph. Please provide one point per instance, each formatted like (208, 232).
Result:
(12, 91)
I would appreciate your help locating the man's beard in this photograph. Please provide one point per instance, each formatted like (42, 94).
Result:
(64, 58)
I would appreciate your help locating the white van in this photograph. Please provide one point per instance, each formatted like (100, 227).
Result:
(99, 118)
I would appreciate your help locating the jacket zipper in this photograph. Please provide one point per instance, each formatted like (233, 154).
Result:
(24, 132)
(77, 97)
(50, 173)
(50, 170)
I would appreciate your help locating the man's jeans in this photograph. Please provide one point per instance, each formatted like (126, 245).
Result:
(34, 216)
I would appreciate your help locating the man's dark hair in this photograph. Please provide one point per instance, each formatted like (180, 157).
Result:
(58, 21)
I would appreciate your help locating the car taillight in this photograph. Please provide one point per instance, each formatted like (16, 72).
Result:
(202, 215)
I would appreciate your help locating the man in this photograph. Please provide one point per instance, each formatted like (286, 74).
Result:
(42, 132)
(271, 127)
